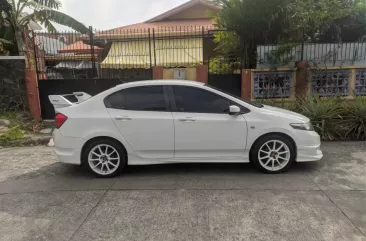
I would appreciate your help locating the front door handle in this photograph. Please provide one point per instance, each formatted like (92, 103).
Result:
(187, 119)
(123, 118)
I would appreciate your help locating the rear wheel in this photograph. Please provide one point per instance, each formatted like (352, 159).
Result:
(273, 154)
(104, 158)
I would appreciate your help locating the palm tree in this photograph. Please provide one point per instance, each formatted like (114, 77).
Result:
(14, 17)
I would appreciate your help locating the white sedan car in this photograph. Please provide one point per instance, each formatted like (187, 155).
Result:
(156, 122)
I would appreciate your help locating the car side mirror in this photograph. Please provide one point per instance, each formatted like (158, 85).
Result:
(234, 110)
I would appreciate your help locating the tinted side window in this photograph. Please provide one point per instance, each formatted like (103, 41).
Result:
(145, 98)
(191, 99)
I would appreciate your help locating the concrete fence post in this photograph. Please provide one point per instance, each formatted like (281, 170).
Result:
(246, 84)
(302, 79)
(158, 72)
(32, 92)
(202, 74)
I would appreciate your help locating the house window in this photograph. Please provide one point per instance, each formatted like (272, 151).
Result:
(62, 39)
(360, 82)
(330, 82)
(272, 84)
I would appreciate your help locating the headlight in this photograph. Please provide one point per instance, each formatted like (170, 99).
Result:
(303, 126)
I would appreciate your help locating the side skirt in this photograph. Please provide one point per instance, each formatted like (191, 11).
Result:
(134, 160)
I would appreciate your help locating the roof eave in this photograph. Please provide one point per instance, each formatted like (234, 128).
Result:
(180, 8)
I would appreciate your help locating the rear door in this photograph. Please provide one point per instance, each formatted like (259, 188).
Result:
(142, 115)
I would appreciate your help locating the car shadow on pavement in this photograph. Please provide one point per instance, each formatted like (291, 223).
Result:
(67, 171)
(207, 168)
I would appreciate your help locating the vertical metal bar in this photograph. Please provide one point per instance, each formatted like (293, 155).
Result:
(91, 35)
(302, 44)
(150, 49)
(154, 46)
(180, 46)
(168, 48)
(54, 46)
(203, 45)
(185, 45)
(35, 55)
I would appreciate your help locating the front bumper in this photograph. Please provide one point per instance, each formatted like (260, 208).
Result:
(67, 149)
(308, 146)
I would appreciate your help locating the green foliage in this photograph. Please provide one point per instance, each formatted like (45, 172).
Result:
(250, 22)
(3, 44)
(221, 65)
(21, 120)
(324, 114)
(281, 55)
(226, 41)
(43, 12)
(46, 17)
(319, 18)
(276, 103)
(355, 118)
(14, 133)
(260, 22)
(334, 118)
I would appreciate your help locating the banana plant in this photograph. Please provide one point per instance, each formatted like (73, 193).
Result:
(13, 13)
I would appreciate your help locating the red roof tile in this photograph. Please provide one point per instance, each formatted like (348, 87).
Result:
(188, 25)
(78, 47)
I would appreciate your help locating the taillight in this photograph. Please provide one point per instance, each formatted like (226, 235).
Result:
(60, 120)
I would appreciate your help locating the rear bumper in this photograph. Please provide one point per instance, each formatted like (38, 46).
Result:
(308, 146)
(67, 149)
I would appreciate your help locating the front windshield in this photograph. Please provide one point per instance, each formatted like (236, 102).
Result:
(258, 105)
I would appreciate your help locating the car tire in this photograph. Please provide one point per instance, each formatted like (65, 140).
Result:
(104, 158)
(273, 154)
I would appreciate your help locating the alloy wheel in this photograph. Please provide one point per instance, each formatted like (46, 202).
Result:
(274, 155)
(104, 159)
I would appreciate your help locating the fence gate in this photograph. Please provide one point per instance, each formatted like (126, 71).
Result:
(225, 74)
(92, 87)
(71, 62)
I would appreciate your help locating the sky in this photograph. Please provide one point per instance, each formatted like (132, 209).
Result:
(107, 14)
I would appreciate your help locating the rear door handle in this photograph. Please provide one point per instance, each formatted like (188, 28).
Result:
(123, 118)
(187, 119)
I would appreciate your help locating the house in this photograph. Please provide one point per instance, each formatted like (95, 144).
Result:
(173, 39)
(72, 61)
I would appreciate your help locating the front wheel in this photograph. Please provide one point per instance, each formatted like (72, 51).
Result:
(273, 154)
(104, 158)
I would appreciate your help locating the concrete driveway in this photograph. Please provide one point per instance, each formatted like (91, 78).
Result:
(41, 199)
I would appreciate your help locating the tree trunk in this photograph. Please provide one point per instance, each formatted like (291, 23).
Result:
(25, 47)
(20, 42)
(302, 79)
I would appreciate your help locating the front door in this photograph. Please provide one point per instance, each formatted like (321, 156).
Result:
(143, 117)
(203, 126)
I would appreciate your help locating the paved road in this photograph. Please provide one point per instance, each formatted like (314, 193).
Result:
(41, 199)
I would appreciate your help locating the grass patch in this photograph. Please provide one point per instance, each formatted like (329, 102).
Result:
(21, 126)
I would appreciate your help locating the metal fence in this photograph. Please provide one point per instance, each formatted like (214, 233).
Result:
(317, 54)
(118, 53)
(131, 53)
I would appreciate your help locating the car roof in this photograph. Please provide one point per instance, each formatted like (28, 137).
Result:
(162, 82)
(147, 83)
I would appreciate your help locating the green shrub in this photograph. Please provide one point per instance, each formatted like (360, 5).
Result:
(12, 134)
(354, 118)
(324, 114)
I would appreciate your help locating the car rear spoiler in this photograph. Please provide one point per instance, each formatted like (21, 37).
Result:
(59, 101)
